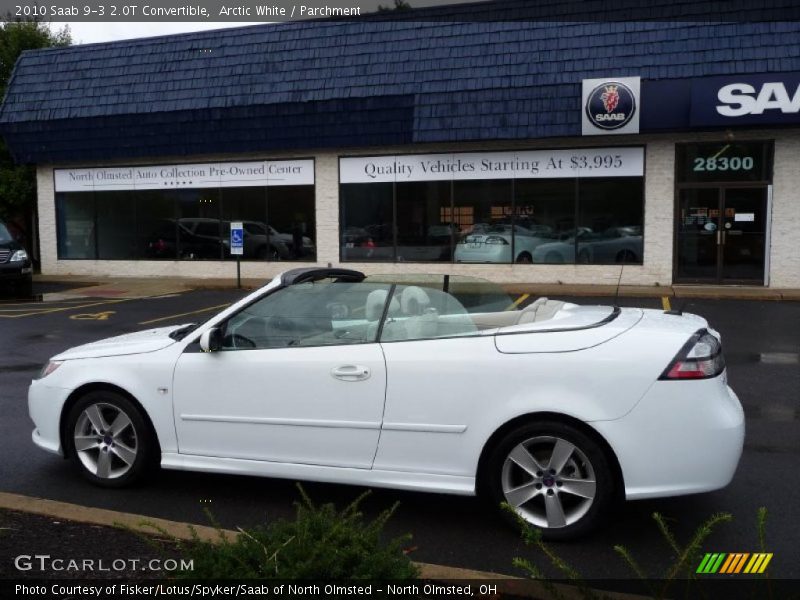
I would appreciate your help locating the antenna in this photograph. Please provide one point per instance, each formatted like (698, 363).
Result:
(619, 281)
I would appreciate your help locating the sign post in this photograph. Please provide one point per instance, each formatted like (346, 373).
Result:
(237, 248)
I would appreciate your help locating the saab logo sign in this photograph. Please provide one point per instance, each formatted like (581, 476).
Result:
(610, 106)
(747, 100)
(740, 99)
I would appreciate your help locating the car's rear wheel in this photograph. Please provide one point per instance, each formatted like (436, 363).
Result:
(109, 440)
(525, 258)
(554, 476)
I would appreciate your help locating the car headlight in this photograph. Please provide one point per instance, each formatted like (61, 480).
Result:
(49, 368)
(19, 256)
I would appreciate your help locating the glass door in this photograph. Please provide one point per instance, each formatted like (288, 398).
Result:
(721, 235)
(743, 235)
(698, 253)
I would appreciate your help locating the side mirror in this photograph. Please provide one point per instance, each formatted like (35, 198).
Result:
(210, 341)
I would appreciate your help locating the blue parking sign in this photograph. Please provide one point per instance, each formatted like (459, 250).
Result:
(237, 238)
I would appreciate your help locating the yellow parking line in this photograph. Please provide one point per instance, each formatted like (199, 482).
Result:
(63, 308)
(665, 303)
(518, 301)
(193, 312)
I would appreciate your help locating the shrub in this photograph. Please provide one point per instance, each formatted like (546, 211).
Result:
(320, 543)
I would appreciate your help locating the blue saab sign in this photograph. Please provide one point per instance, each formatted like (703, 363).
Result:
(772, 99)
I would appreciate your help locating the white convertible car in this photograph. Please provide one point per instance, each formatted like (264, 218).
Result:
(429, 383)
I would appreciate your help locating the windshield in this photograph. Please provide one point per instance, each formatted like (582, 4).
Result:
(5, 236)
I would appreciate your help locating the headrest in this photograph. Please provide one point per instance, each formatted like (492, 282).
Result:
(414, 300)
(376, 300)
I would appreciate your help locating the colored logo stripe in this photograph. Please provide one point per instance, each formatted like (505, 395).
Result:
(733, 563)
(759, 562)
(711, 563)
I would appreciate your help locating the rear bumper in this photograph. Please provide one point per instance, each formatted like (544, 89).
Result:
(683, 437)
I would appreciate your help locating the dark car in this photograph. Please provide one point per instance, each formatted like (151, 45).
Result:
(15, 266)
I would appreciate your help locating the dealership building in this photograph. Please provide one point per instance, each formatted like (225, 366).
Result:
(520, 151)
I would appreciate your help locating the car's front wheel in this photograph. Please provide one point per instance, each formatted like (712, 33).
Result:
(553, 476)
(108, 439)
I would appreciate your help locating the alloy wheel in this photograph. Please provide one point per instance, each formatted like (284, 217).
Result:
(105, 440)
(548, 481)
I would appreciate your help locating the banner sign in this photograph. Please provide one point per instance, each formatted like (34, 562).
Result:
(200, 175)
(523, 164)
(772, 99)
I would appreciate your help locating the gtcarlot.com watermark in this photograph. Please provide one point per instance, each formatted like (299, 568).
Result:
(48, 563)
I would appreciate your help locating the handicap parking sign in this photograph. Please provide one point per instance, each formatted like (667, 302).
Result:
(237, 238)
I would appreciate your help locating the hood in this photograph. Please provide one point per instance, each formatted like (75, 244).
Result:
(139, 342)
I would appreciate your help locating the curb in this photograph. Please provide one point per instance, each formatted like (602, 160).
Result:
(507, 584)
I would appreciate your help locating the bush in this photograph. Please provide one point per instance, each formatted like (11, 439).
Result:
(320, 543)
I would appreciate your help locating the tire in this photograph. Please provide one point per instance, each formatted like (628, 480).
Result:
(626, 256)
(25, 289)
(524, 258)
(132, 450)
(584, 258)
(537, 494)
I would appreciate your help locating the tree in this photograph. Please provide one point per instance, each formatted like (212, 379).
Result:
(18, 182)
(398, 5)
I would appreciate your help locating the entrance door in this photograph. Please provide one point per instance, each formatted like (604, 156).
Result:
(721, 235)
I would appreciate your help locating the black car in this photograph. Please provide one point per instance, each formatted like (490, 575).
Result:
(15, 266)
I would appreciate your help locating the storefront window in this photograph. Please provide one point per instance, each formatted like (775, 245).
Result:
(367, 222)
(116, 211)
(425, 228)
(247, 205)
(610, 221)
(156, 225)
(184, 212)
(545, 217)
(290, 215)
(528, 206)
(199, 226)
(76, 225)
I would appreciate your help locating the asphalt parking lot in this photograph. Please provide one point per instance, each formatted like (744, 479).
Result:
(762, 342)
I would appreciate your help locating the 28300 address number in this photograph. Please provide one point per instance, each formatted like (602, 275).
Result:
(723, 163)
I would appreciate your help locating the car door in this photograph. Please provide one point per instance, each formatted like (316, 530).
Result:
(299, 378)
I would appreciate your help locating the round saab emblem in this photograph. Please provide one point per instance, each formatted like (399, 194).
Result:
(610, 105)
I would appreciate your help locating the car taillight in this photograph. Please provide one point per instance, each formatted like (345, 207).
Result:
(700, 358)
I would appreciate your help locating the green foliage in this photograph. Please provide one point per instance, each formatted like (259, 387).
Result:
(18, 182)
(684, 559)
(398, 5)
(320, 543)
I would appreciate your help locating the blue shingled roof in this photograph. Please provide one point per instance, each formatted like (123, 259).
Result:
(355, 83)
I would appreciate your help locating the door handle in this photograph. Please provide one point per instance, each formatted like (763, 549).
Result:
(351, 372)
(719, 237)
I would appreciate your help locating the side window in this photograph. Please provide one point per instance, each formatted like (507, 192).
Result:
(320, 313)
(420, 313)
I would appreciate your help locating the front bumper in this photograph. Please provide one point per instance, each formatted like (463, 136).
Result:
(16, 271)
(683, 437)
(44, 408)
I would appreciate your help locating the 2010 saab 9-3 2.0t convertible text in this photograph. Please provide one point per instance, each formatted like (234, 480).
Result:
(431, 383)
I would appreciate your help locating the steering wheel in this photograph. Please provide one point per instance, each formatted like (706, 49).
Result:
(236, 340)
